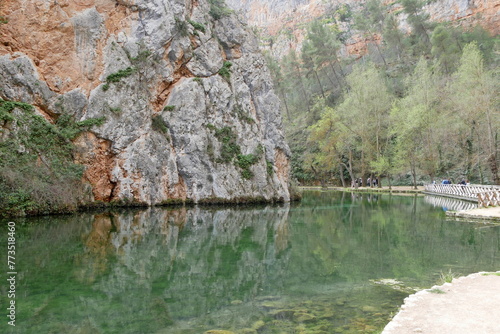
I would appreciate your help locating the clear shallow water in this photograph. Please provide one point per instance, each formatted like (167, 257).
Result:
(311, 267)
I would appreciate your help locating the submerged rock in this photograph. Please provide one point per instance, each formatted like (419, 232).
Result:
(394, 284)
(247, 331)
(304, 317)
(282, 314)
(258, 325)
(369, 309)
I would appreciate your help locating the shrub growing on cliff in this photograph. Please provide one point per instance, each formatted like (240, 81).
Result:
(269, 168)
(181, 27)
(218, 9)
(229, 147)
(116, 77)
(238, 110)
(159, 124)
(197, 26)
(69, 129)
(231, 152)
(245, 161)
(37, 172)
(225, 70)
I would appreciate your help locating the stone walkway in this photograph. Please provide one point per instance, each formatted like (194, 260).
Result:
(491, 214)
(468, 305)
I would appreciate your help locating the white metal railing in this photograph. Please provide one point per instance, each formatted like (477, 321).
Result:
(484, 195)
(488, 198)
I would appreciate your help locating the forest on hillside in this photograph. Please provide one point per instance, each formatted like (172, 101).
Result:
(417, 107)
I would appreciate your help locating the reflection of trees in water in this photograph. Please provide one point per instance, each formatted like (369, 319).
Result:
(448, 203)
(361, 236)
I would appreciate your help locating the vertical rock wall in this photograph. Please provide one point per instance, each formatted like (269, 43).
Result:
(189, 104)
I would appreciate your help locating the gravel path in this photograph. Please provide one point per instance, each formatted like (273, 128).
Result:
(469, 305)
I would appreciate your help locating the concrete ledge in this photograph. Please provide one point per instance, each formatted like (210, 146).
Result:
(491, 214)
(467, 305)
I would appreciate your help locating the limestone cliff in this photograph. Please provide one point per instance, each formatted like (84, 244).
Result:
(284, 20)
(273, 15)
(189, 107)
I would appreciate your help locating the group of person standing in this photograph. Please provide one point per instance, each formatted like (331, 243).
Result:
(463, 182)
(369, 182)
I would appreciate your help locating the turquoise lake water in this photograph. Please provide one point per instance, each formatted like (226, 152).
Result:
(333, 263)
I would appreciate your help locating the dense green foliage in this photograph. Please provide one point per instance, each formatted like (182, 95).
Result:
(225, 71)
(116, 77)
(197, 26)
(218, 9)
(159, 124)
(416, 106)
(181, 27)
(230, 151)
(37, 172)
(244, 161)
(229, 147)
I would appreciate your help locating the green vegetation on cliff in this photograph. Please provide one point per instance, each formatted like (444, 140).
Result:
(218, 9)
(37, 169)
(230, 151)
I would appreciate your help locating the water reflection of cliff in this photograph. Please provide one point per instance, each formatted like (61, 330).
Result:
(183, 262)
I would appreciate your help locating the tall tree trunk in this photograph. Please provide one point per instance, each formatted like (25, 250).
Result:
(363, 173)
(381, 55)
(320, 85)
(318, 176)
(414, 174)
(468, 170)
(481, 175)
(286, 105)
(492, 160)
(378, 49)
(341, 171)
(306, 97)
(349, 169)
(336, 76)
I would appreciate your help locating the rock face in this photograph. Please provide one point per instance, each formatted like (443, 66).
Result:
(272, 15)
(283, 20)
(175, 128)
(467, 12)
